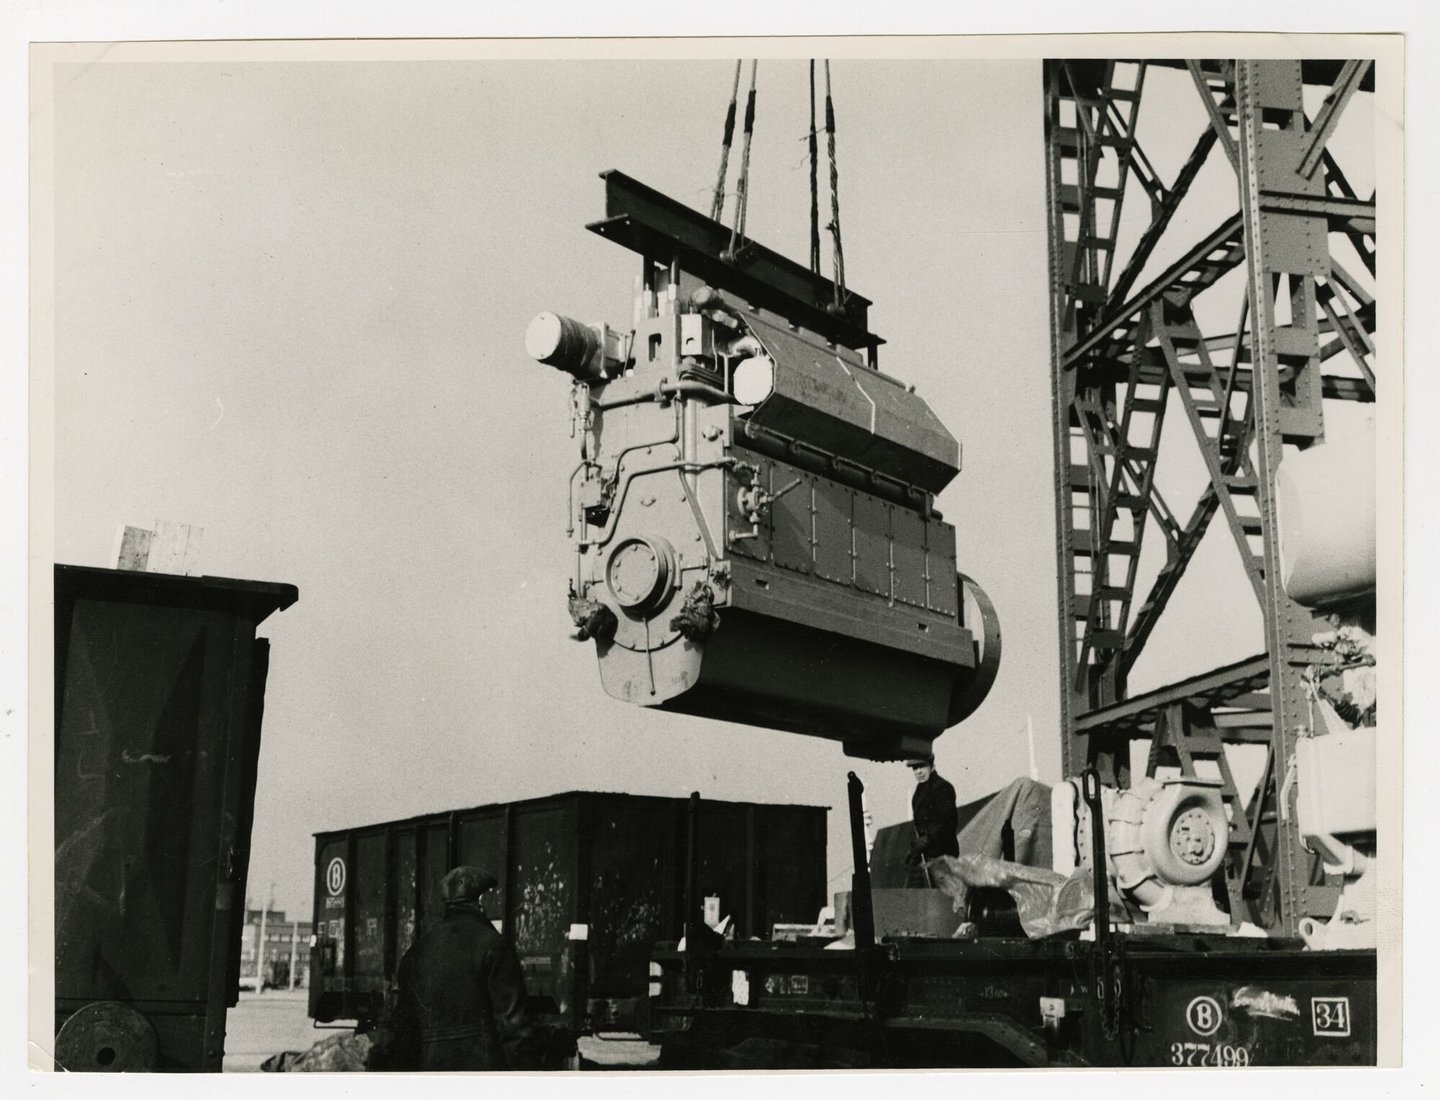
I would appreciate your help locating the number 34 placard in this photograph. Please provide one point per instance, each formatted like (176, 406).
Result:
(1330, 1016)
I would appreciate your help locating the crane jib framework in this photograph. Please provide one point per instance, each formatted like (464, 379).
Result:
(1124, 353)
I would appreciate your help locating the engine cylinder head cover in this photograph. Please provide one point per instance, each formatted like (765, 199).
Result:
(641, 575)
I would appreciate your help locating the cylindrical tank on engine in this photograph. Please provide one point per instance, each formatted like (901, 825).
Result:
(1325, 499)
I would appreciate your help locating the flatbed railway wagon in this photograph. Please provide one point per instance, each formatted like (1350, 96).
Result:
(589, 883)
(897, 990)
(1202, 1001)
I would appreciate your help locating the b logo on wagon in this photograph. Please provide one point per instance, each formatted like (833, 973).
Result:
(335, 877)
(1204, 1015)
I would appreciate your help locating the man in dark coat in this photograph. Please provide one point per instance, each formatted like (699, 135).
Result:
(936, 820)
(460, 992)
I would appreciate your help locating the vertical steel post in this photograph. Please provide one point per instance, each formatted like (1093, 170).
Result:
(1283, 252)
(752, 870)
(1099, 869)
(862, 911)
(1062, 397)
(692, 900)
(578, 950)
(294, 945)
(260, 950)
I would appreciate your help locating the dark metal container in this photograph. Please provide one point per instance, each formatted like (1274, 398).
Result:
(159, 689)
(588, 883)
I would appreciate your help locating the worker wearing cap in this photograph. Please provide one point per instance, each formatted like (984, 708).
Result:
(936, 820)
(460, 992)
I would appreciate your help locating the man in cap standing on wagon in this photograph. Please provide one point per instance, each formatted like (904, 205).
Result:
(460, 992)
(935, 818)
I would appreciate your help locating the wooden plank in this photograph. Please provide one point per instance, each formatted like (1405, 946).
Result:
(132, 548)
(175, 548)
(169, 548)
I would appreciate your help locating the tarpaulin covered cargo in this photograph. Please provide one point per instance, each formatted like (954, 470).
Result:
(1013, 823)
(588, 882)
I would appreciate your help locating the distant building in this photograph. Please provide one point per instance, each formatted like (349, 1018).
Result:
(284, 940)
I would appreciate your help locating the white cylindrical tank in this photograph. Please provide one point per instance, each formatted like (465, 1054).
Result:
(1325, 501)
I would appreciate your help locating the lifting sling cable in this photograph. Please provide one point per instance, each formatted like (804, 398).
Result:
(742, 185)
(717, 206)
(834, 197)
(814, 189)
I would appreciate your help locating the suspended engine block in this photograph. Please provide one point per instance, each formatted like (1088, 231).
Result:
(753, 510)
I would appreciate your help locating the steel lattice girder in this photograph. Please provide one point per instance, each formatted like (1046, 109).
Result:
(1122, 357)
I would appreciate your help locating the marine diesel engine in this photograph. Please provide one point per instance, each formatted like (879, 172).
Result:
(753, 510)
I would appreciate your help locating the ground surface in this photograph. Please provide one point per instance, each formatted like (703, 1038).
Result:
(263, 1024)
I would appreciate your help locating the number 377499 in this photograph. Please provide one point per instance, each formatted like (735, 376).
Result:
(1218, 1055)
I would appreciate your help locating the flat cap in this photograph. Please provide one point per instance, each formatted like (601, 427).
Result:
(466, 884)
(920, 762)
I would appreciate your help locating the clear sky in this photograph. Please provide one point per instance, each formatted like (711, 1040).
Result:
(290, 300)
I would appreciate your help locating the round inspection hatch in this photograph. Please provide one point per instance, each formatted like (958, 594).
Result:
(641, 574)
(106, 1037)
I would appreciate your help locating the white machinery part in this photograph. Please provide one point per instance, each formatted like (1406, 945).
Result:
(1064, 801)
(1337, 808)
(754, 379)
(1335, 783)
(1353, 924)
(1325, 500)
(1165, 841)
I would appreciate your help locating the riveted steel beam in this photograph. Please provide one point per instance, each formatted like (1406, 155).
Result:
(1215, 688)
(1284, 254)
